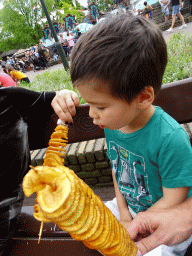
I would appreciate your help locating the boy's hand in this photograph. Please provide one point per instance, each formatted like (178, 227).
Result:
(64, 105)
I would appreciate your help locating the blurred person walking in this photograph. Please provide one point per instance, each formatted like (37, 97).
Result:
(165, 12)
(176, 4)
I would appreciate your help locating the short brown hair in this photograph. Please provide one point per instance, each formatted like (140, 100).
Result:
(128, 51)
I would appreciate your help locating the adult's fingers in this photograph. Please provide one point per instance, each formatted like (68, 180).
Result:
(64, 105)
(145, 230)
(75, 98)
(62, 112)
(149, 243)
(71, 101)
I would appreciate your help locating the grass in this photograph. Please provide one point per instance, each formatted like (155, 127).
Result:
(179, 64)
(52, 81)
(179, 67)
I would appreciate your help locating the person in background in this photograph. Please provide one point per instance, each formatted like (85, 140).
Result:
(61, 39)
(176, 11)
(65, 45)
(78, 33)
(147, 11)
(165, 12)
(190, 2)
(27, 60)
(70, 40)
(2, 64)
(10, 61)
(17, 76)
(62, 28)
(6, 80)
(21, 63)
(33, 48)
(42, 56)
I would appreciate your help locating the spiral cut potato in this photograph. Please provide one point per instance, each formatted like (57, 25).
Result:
(55, 151)
(63, 198)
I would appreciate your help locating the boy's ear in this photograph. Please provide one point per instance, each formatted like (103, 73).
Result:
(146, 97)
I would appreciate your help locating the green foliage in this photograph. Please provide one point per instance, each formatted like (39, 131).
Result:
(179, 58)
(69, 8)
(19, 25)
(104, 5)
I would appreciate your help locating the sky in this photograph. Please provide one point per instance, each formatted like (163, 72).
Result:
(83, 2)
(1, 6)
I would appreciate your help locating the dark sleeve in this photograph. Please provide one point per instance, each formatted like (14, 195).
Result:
(40, 121)
(35, 109)
(23, 99)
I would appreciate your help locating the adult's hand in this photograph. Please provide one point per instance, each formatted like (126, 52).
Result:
(64, 105)
(161, 226)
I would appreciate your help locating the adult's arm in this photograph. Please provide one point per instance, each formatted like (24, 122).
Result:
(23, 99)
(35, 109)
(162, 226)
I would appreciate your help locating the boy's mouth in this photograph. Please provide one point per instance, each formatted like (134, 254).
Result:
(102, 126)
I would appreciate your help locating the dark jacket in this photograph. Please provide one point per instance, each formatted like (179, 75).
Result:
(23, 116)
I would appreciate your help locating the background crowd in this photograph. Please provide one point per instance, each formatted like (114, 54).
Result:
(37, 57)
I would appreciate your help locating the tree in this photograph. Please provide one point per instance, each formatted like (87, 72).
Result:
(69, 8)
(105, 5)
(19, 23)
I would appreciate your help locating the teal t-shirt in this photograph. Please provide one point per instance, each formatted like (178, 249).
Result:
(157, 155)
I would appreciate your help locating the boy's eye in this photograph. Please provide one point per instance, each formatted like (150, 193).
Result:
(100, 108)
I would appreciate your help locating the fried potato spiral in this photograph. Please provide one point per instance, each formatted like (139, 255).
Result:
(65, 199)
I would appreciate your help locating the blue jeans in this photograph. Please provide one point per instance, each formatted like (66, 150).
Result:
(175, 10)
(165, 12)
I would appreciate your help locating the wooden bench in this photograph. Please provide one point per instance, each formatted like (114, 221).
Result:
(175, 98)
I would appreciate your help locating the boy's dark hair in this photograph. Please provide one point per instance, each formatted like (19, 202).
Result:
(145, 3)
(128, 52)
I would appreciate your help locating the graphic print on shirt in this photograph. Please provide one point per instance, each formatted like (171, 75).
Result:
(129, 170)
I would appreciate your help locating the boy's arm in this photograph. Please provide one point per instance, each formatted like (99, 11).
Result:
(171, 197)
(125, 215)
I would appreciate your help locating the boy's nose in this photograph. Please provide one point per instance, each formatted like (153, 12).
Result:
(92, 113)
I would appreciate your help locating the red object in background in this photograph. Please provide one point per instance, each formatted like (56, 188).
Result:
(6, 80)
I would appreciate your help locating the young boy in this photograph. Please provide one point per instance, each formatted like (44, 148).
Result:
(118, 67)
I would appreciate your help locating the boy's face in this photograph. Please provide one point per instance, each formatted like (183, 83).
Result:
(109, 112)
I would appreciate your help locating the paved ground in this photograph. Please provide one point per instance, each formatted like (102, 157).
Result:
(185, 31)
(105, 193)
